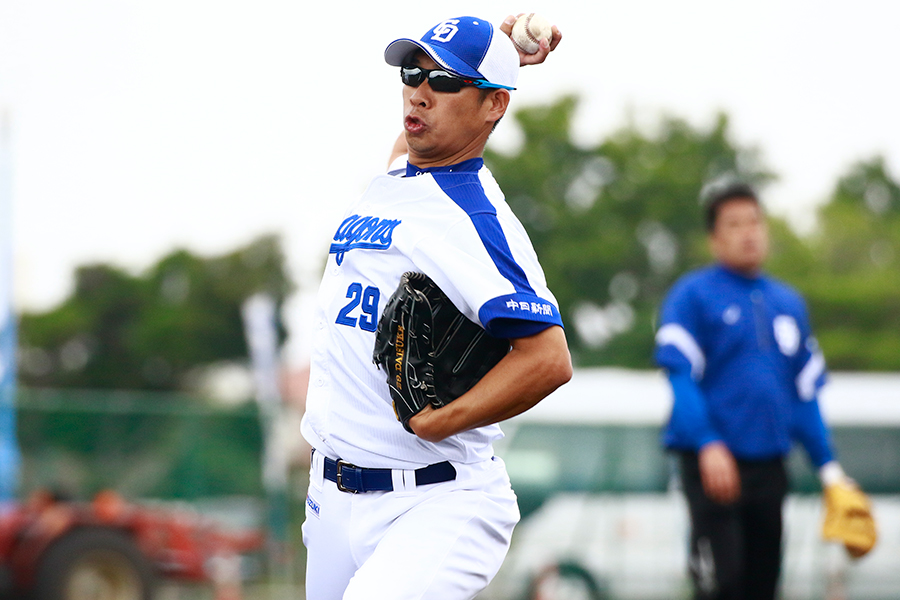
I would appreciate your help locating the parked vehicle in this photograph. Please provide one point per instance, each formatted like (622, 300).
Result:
(52, 549)
(603, 518)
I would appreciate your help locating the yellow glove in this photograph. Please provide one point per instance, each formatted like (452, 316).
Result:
(848, 518)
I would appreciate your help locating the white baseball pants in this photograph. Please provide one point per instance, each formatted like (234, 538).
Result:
(443, 541)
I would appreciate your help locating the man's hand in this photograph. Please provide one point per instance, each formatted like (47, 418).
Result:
(719, 473)
(546, 46)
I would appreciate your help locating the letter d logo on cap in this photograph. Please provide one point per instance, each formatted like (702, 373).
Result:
(445, 31)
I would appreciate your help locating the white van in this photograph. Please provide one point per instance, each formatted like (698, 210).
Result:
(603, 518)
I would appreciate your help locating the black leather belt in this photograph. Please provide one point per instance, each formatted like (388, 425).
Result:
(352, 479)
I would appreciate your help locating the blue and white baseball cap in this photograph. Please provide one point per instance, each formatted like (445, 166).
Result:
(466, 46)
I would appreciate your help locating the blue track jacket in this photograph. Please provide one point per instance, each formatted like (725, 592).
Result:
(744, 366)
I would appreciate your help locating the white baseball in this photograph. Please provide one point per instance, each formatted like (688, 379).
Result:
(529, 30)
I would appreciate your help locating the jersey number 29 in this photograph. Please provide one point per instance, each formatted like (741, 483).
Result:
(367, 301)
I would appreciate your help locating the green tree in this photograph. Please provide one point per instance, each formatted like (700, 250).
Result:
(616, 223)
(149, 331)
(853, 286)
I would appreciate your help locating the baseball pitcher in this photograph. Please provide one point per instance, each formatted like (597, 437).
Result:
(434, 323)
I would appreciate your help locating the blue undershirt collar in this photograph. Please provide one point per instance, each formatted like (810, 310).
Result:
(473, 165)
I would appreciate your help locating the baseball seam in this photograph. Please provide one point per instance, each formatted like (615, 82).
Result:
(528, 34)
(528, 29)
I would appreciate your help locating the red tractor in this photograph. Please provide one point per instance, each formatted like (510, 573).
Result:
(111, 549)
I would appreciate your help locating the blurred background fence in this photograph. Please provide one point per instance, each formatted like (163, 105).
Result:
(142, 444)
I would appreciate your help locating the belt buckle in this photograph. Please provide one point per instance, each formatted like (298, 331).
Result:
(340, 479)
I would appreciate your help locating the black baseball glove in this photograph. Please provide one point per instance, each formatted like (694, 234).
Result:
(431, 352)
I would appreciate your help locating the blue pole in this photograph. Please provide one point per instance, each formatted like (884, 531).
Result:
(10, 457)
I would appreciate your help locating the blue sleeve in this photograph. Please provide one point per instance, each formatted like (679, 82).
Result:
(678, 340)
(807, 425)
(501, 315)
(678, 351)
(809, 363)
(689, 425)
(809, 429)
(515, 328)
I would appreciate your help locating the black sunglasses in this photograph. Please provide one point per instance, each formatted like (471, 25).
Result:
(440, 80)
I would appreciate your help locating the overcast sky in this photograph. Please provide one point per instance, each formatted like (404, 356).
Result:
(140, 126)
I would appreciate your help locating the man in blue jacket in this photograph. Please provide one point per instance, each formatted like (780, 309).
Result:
(745, 371)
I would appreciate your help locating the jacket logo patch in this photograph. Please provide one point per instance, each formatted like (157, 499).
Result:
(369, 233)
(787, 334)
(732, 314)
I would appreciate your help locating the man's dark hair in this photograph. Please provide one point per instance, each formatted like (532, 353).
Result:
(716, 194)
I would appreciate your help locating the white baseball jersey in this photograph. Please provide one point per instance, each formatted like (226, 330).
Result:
(453, 224)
